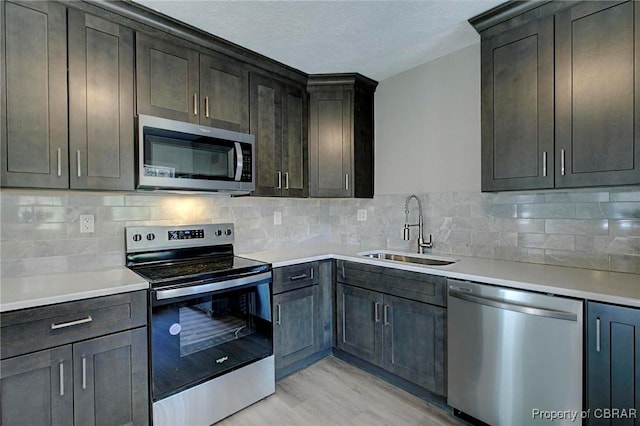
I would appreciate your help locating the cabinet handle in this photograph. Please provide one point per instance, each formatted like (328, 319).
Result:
(62, 378)
(544, 164)
(597, 334)
(286, 180)
(279, 311)
(195, 104)
(78, 163)
(562, 162)
(59, 162)
(84, 372)
(376, 312)
(386, 315)
(311, 272)
(279, 180)
(298, 277)
(346, 181)
(56, 326)
(206, 106)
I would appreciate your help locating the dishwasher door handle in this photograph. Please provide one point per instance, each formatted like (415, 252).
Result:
(516, 307)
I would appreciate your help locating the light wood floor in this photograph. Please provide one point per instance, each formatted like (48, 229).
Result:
(332, 392)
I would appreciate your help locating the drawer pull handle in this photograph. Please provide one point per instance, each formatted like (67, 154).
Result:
(298, 277)
(56, 326)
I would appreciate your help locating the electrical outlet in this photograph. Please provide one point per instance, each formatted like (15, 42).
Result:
(362, 215)
(87, 223)
(277, 218)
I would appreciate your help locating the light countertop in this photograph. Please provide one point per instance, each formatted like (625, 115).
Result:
(603, 286)
(610, 287)
(28, 292)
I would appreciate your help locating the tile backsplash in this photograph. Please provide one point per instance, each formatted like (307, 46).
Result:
(595, 229)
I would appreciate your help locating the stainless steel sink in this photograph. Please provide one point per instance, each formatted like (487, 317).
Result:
(408, 258)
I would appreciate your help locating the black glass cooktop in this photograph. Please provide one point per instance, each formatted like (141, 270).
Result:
(186, 265)
(200, 268)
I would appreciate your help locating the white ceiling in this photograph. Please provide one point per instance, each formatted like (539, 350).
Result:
(376, 38)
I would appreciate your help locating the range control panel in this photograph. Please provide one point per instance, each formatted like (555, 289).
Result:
(146, 238)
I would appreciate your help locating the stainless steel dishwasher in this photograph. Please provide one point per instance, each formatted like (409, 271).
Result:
(514, 357)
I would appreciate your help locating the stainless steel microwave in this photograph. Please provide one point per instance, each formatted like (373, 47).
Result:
(184, 156)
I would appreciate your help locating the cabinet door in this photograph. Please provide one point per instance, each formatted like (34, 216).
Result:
(613, 360)
(359, 320)
(37, 389)
(167, 79)
(266, 126)
(111, 380)
(224, 93)
(296, 333)
(414, 342)
(597, 98)
(517, 108)
(100, 103)
(330, 143)
(34, 91)
(294, 142)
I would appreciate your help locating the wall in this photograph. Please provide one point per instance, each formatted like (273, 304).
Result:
(428, 127)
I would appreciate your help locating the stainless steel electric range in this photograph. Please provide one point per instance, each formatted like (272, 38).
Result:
(211, 328)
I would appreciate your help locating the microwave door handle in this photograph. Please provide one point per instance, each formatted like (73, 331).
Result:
(238, 162)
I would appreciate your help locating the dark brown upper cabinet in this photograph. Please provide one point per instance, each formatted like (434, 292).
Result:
(597, 94)
(559, 95)
(279, 114)
(101, 106)
(176, 81)
(34, 92)
(517, 108)
(341, 142)
(59, 135)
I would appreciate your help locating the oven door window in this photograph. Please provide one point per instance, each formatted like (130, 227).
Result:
(206, 336)
(178, 155)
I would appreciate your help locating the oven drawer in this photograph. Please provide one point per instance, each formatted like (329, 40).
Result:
(295, 276)
(33, 329)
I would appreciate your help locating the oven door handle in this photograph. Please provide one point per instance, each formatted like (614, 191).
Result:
(207, 288)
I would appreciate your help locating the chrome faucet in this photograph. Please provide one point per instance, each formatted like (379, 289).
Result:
(405, 235)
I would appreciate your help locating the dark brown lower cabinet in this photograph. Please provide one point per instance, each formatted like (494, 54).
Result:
(82, 362)
(296, 323)
(302, 312)
(613, 364)
(402, 336)
(102, 381)
(37, 389)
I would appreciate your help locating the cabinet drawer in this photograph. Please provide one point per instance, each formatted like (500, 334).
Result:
(295, 276)
(33, 329)
(409, 285)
